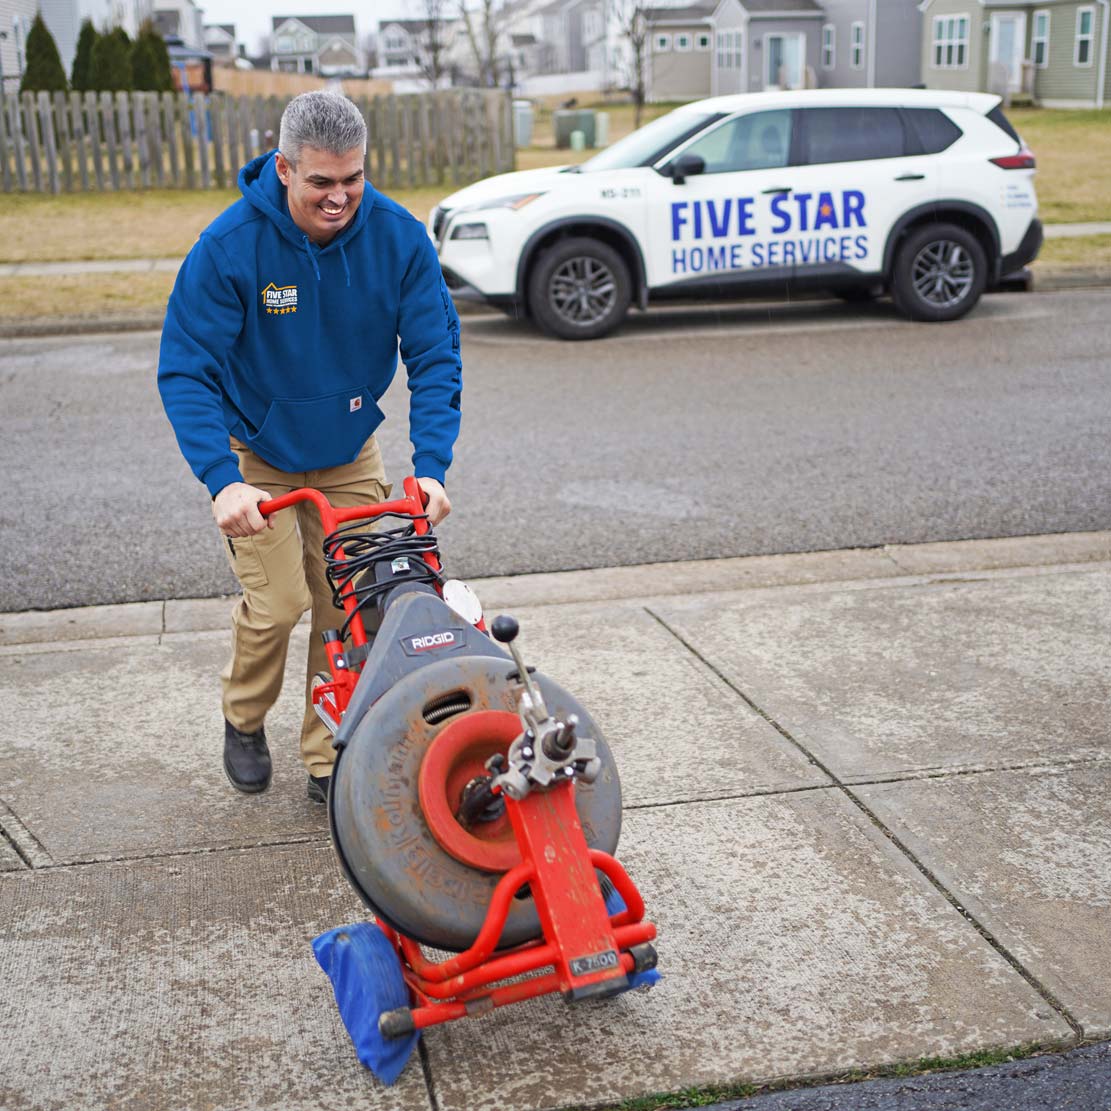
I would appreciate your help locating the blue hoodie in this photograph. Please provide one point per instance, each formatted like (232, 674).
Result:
(288, 346)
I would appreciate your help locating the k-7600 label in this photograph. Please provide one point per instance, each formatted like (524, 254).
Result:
(597, 962)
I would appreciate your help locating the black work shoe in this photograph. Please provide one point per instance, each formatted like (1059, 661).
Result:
(318, 788)
(246, 759)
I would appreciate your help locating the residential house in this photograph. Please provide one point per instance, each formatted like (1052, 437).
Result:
(732, 46)
(405, 48)
(562, 45)
(219, 41)
(64, 18)
(870, 43)
(320, 44)
(180, 19)
(1053, 50)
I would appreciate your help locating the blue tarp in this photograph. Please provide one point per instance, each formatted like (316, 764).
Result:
(366, 977)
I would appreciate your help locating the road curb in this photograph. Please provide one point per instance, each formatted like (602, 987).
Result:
(613, 585)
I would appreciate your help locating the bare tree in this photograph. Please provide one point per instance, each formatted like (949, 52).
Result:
(630, 17)
(433, 43)
(482, 26)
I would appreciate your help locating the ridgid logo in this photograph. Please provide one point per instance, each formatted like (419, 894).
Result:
(444, 639)
(279, 299)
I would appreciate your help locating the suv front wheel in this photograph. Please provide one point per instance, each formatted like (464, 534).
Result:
(579, 289)
(939, 274)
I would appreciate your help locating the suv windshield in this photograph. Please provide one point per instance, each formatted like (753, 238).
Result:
(651, 142)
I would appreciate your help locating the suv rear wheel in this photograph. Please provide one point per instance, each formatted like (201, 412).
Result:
(579, 289)
(939, 274)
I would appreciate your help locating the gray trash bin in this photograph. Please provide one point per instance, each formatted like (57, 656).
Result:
(522, 123)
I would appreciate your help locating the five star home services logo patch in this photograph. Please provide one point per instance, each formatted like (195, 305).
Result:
(279, 299)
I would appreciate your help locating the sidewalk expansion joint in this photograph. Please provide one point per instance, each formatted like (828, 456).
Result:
(175, 854)
(426, 1068)
(895, 840)
(27, 846)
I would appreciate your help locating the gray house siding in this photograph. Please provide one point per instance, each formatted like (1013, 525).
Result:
(898, 43)
(16, 17)
(840, 15)
(1060, 83)
(968, 77)
(679, 74)
(1062, 80)
(809, 27)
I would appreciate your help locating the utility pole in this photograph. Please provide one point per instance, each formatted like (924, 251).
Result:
(3, 39)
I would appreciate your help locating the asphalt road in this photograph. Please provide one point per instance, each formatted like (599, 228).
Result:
(1076, 1081)
(691, 434)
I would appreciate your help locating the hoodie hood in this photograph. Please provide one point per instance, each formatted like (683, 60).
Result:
(263, 190)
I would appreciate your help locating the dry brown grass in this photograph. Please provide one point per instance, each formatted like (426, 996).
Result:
(1073, 150)
(153, 224)
(83, 295)
(1090, 253)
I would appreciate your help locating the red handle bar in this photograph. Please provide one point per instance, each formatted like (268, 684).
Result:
(331, 518)
(413, 503)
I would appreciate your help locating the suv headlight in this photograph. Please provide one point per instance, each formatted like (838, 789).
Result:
(470, 231)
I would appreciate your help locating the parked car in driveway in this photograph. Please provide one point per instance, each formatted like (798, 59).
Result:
(925, 195)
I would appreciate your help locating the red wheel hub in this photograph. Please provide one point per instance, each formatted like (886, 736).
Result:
(456, 756)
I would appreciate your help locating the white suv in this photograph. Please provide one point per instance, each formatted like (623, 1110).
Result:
(926, 195)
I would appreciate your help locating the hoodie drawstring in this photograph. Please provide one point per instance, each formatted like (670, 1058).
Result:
(346, 268)
(312, 259)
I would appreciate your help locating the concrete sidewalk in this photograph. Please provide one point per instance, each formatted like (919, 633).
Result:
(868, 802)
(171, 265)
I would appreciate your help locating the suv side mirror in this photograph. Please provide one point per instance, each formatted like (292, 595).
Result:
(686, 165)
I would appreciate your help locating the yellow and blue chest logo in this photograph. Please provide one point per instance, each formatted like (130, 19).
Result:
(278, 300)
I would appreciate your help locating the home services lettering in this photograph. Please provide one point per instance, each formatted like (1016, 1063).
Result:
(714, 233)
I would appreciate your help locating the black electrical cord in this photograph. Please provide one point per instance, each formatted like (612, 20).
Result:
(363, 549)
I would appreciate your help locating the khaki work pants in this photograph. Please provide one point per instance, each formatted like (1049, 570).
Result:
(281, 571)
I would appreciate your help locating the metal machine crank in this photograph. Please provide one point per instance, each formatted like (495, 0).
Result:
(548, 750)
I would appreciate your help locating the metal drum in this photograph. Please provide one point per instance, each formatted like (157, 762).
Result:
(396, 789)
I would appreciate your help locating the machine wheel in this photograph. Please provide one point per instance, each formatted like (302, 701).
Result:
(579, 289)
(396, 789)
(939, 274)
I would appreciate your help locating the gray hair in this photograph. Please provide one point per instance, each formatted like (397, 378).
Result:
(322, 120)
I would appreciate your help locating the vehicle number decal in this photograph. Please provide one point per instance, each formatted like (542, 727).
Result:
(596, 962)
(626, 193)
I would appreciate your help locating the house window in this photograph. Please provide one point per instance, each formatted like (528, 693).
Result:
(1082, 55)
(682, 41)
(950, 45)
(829, 46)
(702, 42)
(856, 46)
(1039, 42)
(730, 49)
(285, 44)
(663, 42)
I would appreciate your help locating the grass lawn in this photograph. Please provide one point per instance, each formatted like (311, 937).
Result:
(83, 295)
(1073, 149)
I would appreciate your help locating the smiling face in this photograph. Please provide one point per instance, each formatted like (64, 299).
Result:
(324, 190)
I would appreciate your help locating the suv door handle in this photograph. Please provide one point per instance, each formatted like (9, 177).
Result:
(911, 177)
(778, 189)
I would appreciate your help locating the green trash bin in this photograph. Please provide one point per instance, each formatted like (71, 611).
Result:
(566, 120)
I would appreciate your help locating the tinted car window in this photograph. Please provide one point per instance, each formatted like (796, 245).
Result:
(853, 134)
(996, 116)
(934, 130)
(758, 141)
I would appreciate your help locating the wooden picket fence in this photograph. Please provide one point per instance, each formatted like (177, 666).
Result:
(55, 143)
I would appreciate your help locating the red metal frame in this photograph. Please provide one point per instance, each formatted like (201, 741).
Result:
(585, 947)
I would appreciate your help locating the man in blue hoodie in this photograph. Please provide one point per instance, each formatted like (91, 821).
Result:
(281, 335)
